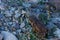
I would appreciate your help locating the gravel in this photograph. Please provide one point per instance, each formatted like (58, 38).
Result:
(14, 25)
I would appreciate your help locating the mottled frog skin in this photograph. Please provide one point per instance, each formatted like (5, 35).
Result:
(38, 26)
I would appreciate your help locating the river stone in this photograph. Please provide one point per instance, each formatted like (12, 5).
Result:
(8, 36)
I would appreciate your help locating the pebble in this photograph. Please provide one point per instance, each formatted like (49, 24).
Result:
(26, 5)
(55, 20)
(14, 33)
(22, 25)
(23, 12)
(33, 1)
(19, 30)
(13, 23)
(2, 28)
(17, 15)
(1, 37)
(23, 30)
(8, 36)
(8, 13)
(50, 25)
(16, 11)
(54, 39)
(0, 1)
(12, 9)
(57, 32)
(2, 7)
(1, 16)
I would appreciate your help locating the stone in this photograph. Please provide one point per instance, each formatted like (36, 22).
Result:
(50, 25)
(14, 33)
(1, 16)
(8, 36)
(33, 1)
(23, 30)
(55, 20)
(26, 4)
(17, 15)
(57, 32)
(1, 37)
(2, 28)
(0, 1)
(53, 39)
(19, 30)
(23, 12)
(22, 25)
(8, 13)
(2, 7)
(12, 9)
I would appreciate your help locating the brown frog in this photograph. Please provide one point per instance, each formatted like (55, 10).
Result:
(38, 27)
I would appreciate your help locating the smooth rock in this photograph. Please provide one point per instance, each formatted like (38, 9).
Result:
(22, 25)
(1, 37)
(57, 32)
(8, 36)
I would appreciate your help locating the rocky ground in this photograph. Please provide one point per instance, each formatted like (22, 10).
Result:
(14, 25)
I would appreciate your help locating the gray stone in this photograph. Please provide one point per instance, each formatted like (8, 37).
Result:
(2, 7)
(8, 36)
(50, 25)
(26, 4)
(8, 13)
(1, 37)
(55, 20)
(22, 25)
(1, 16)
(19, 30)
(17, 15)
(33, 1)
(57, 32)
